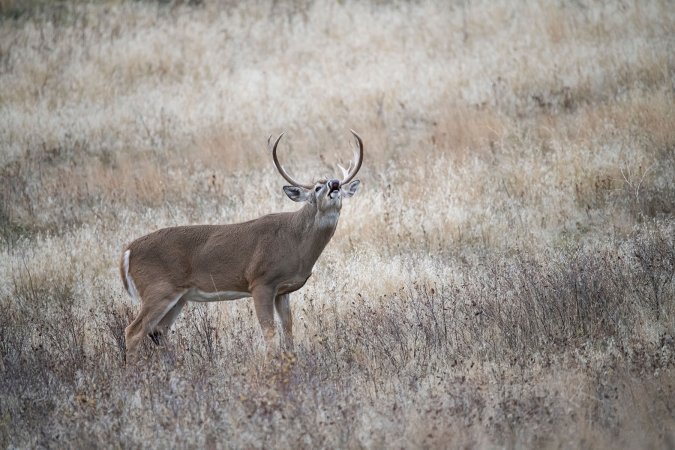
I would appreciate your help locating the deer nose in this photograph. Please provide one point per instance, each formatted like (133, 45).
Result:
(333, 184)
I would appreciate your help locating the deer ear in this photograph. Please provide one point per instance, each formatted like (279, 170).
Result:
(351, 188)
(297, 194)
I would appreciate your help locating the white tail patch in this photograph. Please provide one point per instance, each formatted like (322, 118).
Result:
(131, 286)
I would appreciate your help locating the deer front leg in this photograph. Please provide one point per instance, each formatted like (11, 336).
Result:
(263, 299)
(283, 307)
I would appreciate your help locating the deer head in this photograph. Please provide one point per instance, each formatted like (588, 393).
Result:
(325, 194)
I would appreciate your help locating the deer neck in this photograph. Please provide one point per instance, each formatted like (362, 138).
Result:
(317, 228)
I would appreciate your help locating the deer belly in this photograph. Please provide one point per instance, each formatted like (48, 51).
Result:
(196, 295)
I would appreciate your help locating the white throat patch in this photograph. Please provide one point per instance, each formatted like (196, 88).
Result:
(328, 219)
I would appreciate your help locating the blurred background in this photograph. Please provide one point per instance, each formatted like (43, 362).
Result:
(504, 277)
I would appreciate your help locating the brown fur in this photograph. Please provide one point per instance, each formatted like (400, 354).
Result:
(266, 258)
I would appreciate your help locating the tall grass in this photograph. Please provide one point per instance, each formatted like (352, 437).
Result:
(504, 278)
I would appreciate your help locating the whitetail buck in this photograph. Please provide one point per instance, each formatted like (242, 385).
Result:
(266, 258)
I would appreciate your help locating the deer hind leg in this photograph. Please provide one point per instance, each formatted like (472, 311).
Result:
(168, 320)
(283, 306)
(170, 317)
(157, 302)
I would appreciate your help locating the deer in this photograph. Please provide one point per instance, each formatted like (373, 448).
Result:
(267, 259)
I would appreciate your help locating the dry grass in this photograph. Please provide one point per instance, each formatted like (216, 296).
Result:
(504, 278)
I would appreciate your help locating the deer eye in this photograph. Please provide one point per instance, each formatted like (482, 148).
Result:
(317, 189)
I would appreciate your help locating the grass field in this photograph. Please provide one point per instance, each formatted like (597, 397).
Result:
(504, 277)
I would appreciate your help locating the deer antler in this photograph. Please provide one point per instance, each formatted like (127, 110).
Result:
(280, 168)
(351, 172)
(345, 172)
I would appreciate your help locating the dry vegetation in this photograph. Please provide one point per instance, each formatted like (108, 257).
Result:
(505, 276)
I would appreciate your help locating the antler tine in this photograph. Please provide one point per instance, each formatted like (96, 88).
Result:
(345, 172)
(281, 169)
(358, 156)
